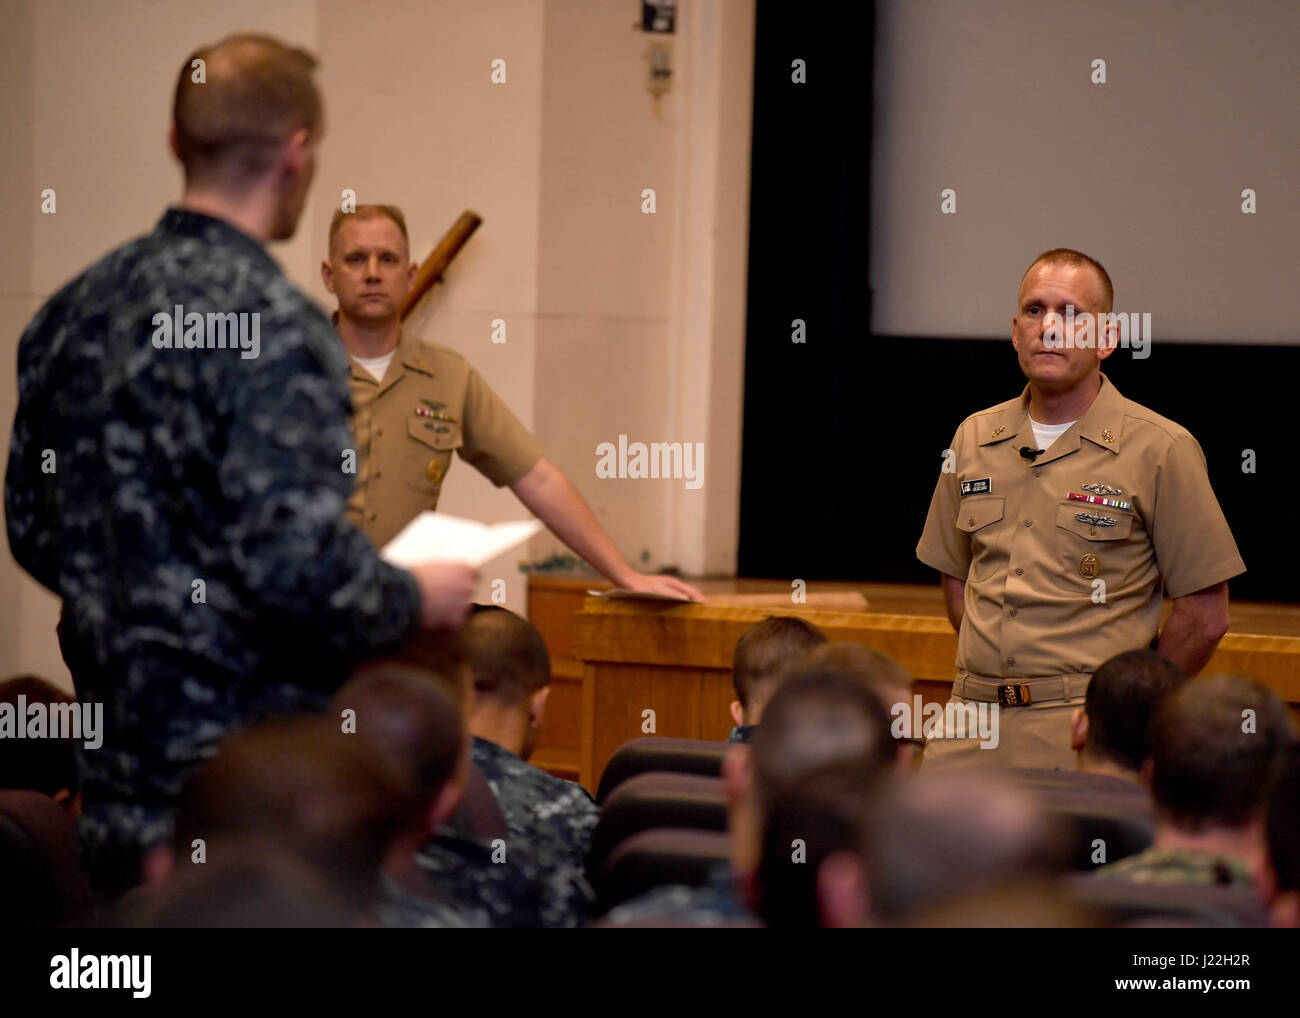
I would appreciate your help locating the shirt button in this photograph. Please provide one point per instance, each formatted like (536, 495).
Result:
(379, 432)
(1011, 660)
(1014, 612)
(378, 475)
(373, 517)
(970, 522)
(1093, 530)
(1037, 472)
(1020, 572)
(1029, 523)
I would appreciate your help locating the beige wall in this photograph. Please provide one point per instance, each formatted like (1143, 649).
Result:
(1144, 172)
(616, 321)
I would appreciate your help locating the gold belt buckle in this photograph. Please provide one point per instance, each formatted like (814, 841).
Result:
(1014, 694)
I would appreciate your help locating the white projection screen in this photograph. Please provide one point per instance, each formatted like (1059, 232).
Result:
(1145, 172)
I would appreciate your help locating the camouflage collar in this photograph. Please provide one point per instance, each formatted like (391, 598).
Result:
(185, 223)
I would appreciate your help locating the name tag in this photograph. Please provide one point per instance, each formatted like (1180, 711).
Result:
(979, 486)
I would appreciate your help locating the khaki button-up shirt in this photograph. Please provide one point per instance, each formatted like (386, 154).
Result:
(430, 403)
(1054, 585)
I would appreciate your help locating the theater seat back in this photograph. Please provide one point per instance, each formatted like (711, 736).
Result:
(40, 858)
(657, 858)
(658, 753)
(1101, 823)
(657, 799)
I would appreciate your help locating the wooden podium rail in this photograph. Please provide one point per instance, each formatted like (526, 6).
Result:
(676, 662)
(614, 660)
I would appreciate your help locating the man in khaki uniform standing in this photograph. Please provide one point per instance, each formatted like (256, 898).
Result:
(415, 403)
(1060, 518)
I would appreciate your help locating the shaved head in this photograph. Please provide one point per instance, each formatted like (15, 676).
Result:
(1076, 259)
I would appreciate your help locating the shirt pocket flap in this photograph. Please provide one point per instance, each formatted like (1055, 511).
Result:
(978, 511)
(1092, 527)
(440, 435)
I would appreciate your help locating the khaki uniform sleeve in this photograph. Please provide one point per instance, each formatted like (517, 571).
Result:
(942, 545)
(495, 442)
(1193, 544)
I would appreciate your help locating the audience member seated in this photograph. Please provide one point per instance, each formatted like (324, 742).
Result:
(406, 715)
(1109, 732)
(816, 717)
(303, 785)
(1215, 749)
(884, 676)
(1284, 844)
(253, 884)
(512, 680)
(763, 652)
(845, 848)
(467, 870)
(40, 854)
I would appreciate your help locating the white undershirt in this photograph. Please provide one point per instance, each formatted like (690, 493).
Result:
(1046, 434)
(377, 365)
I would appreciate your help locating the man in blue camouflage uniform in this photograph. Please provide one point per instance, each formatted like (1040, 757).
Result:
(473, 871)
(177, 473)
(549, 818)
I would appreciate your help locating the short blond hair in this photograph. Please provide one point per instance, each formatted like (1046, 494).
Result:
(369, 212)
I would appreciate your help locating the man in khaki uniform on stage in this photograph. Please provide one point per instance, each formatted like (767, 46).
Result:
(1059, 519)
(415, 403)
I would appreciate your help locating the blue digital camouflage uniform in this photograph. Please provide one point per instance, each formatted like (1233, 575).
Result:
(136, 471)
(554, 818)
(535, 876)
(458, 880)
(715, 903)
(532, 877)
(486, 884)
(413, 902)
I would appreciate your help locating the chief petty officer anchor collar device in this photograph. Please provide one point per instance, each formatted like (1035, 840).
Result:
(1100, 424)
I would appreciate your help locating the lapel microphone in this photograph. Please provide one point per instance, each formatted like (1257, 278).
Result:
(1031, 454)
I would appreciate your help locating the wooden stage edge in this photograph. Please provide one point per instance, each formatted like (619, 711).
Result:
(614, 660)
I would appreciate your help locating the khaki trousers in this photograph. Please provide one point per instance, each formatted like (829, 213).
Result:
(1036, 735)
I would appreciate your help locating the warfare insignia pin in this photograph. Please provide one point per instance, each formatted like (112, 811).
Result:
(998, 430)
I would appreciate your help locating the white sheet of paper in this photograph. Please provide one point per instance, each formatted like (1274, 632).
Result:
(437, 537)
